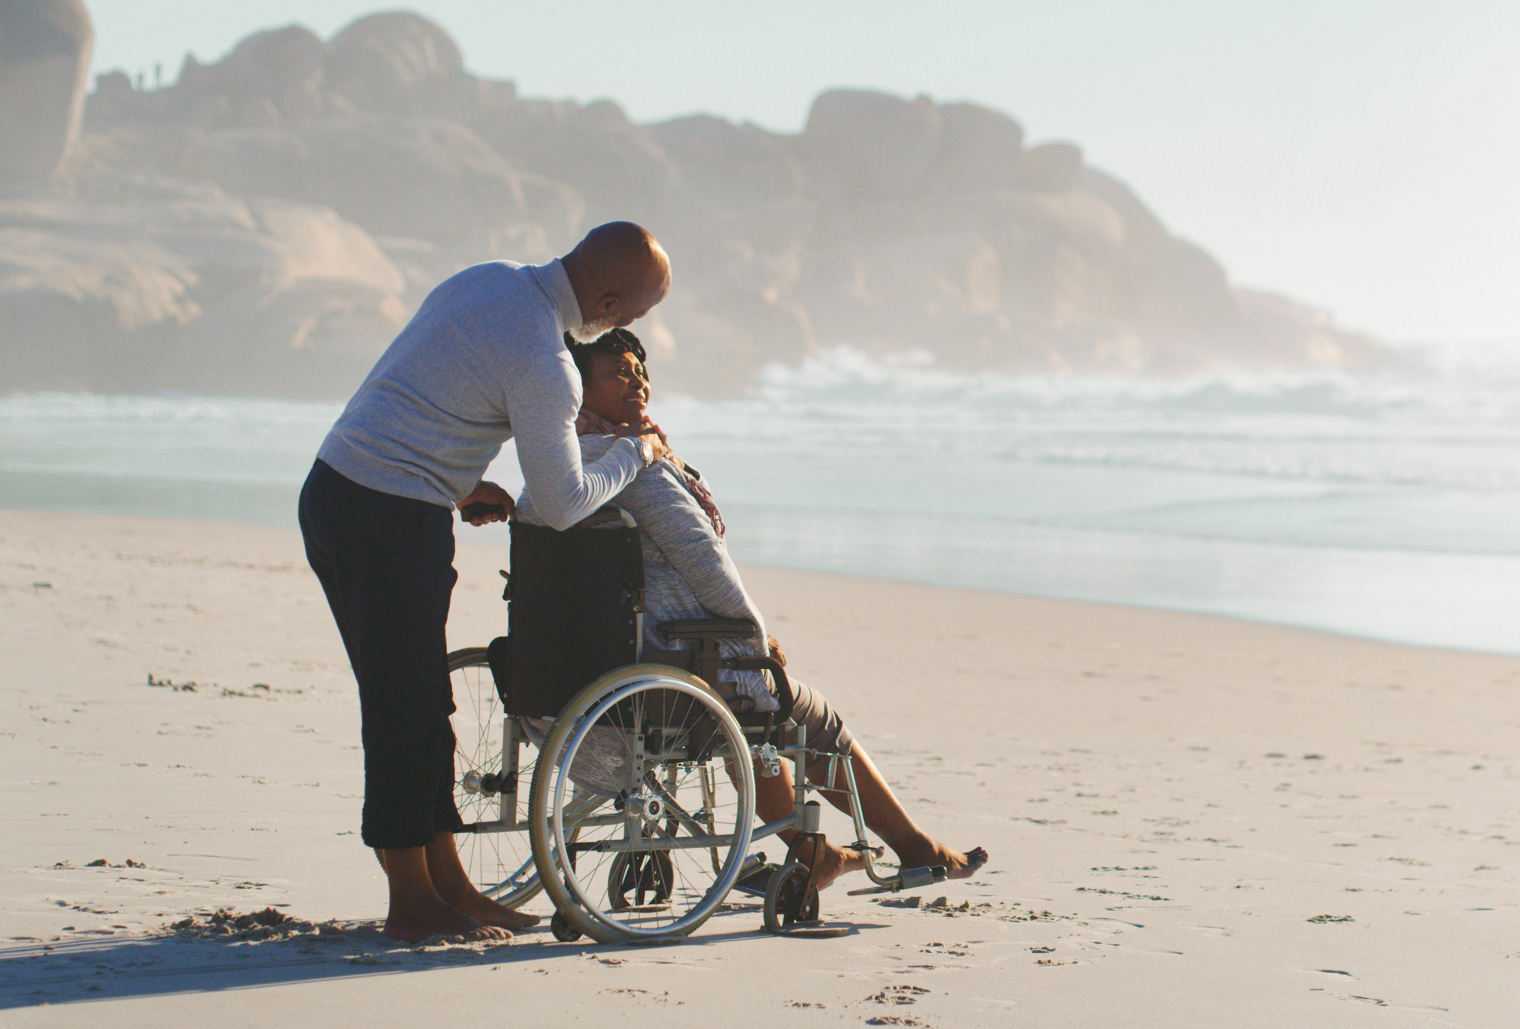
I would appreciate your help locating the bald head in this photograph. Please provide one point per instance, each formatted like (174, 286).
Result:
(618, 273)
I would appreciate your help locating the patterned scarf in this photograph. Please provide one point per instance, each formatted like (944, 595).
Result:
(589, 423)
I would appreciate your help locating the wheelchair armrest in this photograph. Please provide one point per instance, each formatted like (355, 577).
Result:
(708, 629)
(785, 697)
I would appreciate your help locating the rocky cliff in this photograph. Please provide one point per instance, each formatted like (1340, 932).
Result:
(266, 223)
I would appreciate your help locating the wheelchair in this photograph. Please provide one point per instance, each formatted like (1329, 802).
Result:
(639, 809)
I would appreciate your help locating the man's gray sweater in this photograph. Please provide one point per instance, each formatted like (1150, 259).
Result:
(482, 361)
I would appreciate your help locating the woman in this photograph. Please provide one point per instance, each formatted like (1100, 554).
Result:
(689, 574)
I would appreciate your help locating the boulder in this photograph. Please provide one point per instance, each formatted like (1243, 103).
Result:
(270, 162)
(279, 63)
(1051, 168)
(931, 286)
(1274, 333)
(724, 165)
(164, 285)
(45, 50)
(392, 62)
(434, 180)
(883, 146)
(287, 67)
(979, 150)
(616, 167)
(559, 210)
(86, 313)
(1142, 230)
(1186, 293)
(1075, 217)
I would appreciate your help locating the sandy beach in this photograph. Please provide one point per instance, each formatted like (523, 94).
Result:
(1193, 821)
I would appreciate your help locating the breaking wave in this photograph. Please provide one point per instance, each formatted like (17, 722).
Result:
(1415, 420)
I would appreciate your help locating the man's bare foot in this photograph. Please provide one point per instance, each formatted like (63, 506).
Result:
(418, 922)
(486, 911)
(455, 889)
(957, 865)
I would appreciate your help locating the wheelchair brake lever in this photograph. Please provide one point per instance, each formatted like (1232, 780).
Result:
(770, 760)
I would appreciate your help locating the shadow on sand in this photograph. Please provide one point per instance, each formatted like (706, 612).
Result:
(100, 968)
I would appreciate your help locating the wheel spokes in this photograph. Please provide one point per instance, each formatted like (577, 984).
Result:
(657, 848)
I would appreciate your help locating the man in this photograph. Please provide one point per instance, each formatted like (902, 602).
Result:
(482, 361)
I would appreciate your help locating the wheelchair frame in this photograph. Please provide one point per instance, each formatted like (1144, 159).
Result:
(791, 896)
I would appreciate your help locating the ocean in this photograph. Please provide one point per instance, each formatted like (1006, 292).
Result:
(1382, 503)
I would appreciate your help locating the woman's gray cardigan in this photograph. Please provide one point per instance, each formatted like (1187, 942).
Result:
(687, 570)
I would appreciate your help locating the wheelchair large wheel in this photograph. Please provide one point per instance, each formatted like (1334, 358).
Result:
(661, 856)
(500, 864)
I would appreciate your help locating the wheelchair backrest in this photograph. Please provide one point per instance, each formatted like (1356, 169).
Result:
(576, 599)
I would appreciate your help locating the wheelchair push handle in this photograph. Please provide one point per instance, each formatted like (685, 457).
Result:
(480, 509)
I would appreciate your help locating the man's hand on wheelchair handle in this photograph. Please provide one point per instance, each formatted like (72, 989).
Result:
(497, 504)
(777, 654)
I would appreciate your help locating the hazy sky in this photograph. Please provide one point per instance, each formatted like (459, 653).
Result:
(1362, 155)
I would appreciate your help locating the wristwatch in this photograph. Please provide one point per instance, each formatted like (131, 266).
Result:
(644, 447)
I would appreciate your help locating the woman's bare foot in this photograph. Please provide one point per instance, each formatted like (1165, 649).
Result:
(413, 923)
(957, 865)
(836, 861)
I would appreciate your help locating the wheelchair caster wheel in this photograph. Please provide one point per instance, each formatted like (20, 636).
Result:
(563, 931)
(789, 900)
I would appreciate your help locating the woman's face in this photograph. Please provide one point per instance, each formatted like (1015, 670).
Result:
(617, 388)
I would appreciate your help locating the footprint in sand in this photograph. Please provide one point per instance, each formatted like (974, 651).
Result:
(904, 994)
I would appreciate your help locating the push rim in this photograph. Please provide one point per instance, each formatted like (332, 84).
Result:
(696, 883)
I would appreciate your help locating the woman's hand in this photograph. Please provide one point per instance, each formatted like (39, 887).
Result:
(777, 654)
(498, 502)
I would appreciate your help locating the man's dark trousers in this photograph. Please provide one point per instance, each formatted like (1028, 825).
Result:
(386, 564)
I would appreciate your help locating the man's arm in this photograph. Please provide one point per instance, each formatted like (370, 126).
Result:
(542, 402)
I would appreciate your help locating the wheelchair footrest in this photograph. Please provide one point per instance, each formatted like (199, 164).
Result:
(914, 878)
(908, 879)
